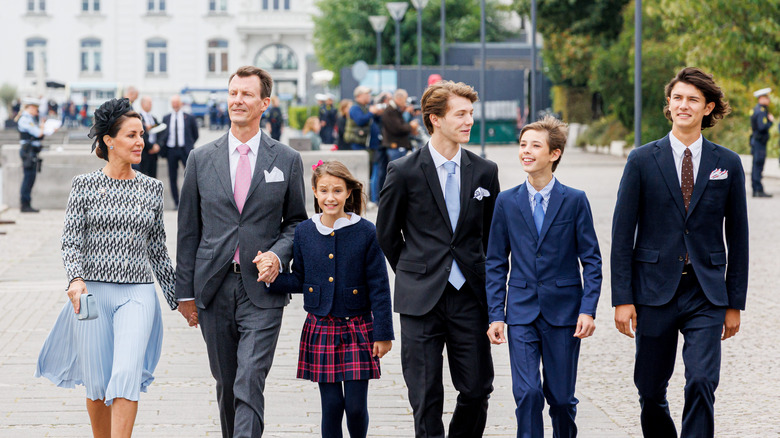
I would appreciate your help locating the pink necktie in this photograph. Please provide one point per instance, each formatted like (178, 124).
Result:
(243, 180)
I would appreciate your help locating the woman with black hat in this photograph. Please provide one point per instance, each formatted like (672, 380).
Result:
(113, 246)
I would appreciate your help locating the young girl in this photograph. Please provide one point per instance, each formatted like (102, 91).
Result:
(341, 271)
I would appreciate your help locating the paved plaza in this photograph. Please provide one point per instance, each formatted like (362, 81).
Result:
(182, 402)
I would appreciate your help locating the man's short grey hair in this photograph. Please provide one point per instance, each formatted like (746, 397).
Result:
(400, 92)
(361, 89)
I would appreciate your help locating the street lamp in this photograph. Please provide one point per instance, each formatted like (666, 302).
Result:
(397, 11)
(443, 34)
(378, 22)
(419, 5)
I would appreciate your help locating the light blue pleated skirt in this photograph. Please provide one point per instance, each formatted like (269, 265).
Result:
(112, 356)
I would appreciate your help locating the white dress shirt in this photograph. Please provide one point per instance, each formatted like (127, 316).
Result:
(148, 120)
(177, 118)
(678, 149)
(439, 160)
(234, 154)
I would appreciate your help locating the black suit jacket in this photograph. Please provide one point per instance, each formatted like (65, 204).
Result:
(190, 132)
(651, 231)
(415, 233)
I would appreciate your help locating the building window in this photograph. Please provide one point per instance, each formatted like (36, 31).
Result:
(90, 56)
(36, 6)
(36, 47)
(90, 5)
(276, 5)
(276, 57)
(218, 6)
(218, 56)
(155, 6)
(156, 56)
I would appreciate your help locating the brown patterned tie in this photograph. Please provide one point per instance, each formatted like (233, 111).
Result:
(687, 178)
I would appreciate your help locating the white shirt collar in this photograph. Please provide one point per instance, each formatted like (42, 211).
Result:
(439, 160)
(253, 143)
(340, 223)
(679, 148)
(545, 191)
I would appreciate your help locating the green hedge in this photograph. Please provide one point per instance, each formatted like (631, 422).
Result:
(297, 115)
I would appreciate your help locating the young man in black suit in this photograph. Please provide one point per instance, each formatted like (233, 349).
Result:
(433, 221)
(177, 141)
(672, 270)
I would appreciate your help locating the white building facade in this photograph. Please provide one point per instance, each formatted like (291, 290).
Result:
(99, 47)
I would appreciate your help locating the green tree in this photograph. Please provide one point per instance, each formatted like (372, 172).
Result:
(343, 34)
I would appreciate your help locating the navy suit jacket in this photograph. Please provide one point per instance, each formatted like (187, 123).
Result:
(343, 274)
(190, 132)
(545, 267)
(651, 231)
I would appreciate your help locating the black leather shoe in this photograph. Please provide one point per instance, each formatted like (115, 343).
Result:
(762, 195)
(28, 209)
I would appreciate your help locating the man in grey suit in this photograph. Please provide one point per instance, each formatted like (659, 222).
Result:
(242, 193)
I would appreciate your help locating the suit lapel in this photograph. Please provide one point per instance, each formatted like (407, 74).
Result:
(665, 160)
(553, 207)
(709, 159)
(266, 154)
(221, 160)
(525, 210)
(429, 170)
(466, 177)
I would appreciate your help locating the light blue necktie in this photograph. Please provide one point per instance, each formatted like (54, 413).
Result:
(538, 213)
(452, 199)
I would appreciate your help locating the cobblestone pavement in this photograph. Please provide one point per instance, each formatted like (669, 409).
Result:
(182, 402)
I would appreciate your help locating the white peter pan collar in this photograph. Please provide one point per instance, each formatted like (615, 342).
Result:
(340, 223)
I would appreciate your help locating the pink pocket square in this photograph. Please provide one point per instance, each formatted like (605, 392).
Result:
(719, 174)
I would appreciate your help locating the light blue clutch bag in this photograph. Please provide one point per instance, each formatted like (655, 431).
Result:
(88, 307)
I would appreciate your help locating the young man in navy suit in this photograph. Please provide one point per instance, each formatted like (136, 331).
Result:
(672, 270)
(546, 230)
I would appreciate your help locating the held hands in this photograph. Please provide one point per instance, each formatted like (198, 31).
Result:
(382, 347)
(731, 324)
(76, 288)
(585, 326)
(155, 149)
(267, 266)
(496, 333)
(625, 319)
(189, 312)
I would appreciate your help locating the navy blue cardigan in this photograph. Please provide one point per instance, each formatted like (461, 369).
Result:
(342, 274)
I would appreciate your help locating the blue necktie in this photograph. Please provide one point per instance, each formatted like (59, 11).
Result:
(452, 199)
(538, 213)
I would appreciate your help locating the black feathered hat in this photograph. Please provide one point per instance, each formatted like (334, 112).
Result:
(106, 116)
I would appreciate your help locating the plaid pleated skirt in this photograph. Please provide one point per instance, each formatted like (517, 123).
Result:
(337, 349)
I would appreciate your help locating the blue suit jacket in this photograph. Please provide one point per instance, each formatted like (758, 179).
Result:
(545, 274)
(651, 231)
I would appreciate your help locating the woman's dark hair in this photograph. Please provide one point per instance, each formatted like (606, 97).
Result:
(108, 120)
(355, 202)
(711, 91)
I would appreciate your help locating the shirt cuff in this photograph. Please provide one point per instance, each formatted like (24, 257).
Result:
(280, 261)
(181, 300)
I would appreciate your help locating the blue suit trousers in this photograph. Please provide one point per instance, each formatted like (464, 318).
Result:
(701, 324)
(558, 350)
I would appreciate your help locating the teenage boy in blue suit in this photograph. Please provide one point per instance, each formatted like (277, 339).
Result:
(672, 270)
(546, 230)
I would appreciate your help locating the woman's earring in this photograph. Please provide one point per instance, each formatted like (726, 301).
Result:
(111, 147)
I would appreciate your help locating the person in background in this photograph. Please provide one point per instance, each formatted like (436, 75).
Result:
(131, 94)
(760, 122)
(358, 129)
(177, 141)
(396, 131)
(328, 116)
(30, 136)
(341, 123)
(148, 165)
(311, 130)
(274, 119)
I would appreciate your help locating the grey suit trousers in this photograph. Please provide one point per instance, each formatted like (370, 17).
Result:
(241, 340)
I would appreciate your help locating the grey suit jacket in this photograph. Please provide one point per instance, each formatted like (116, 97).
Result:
(210, 226)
